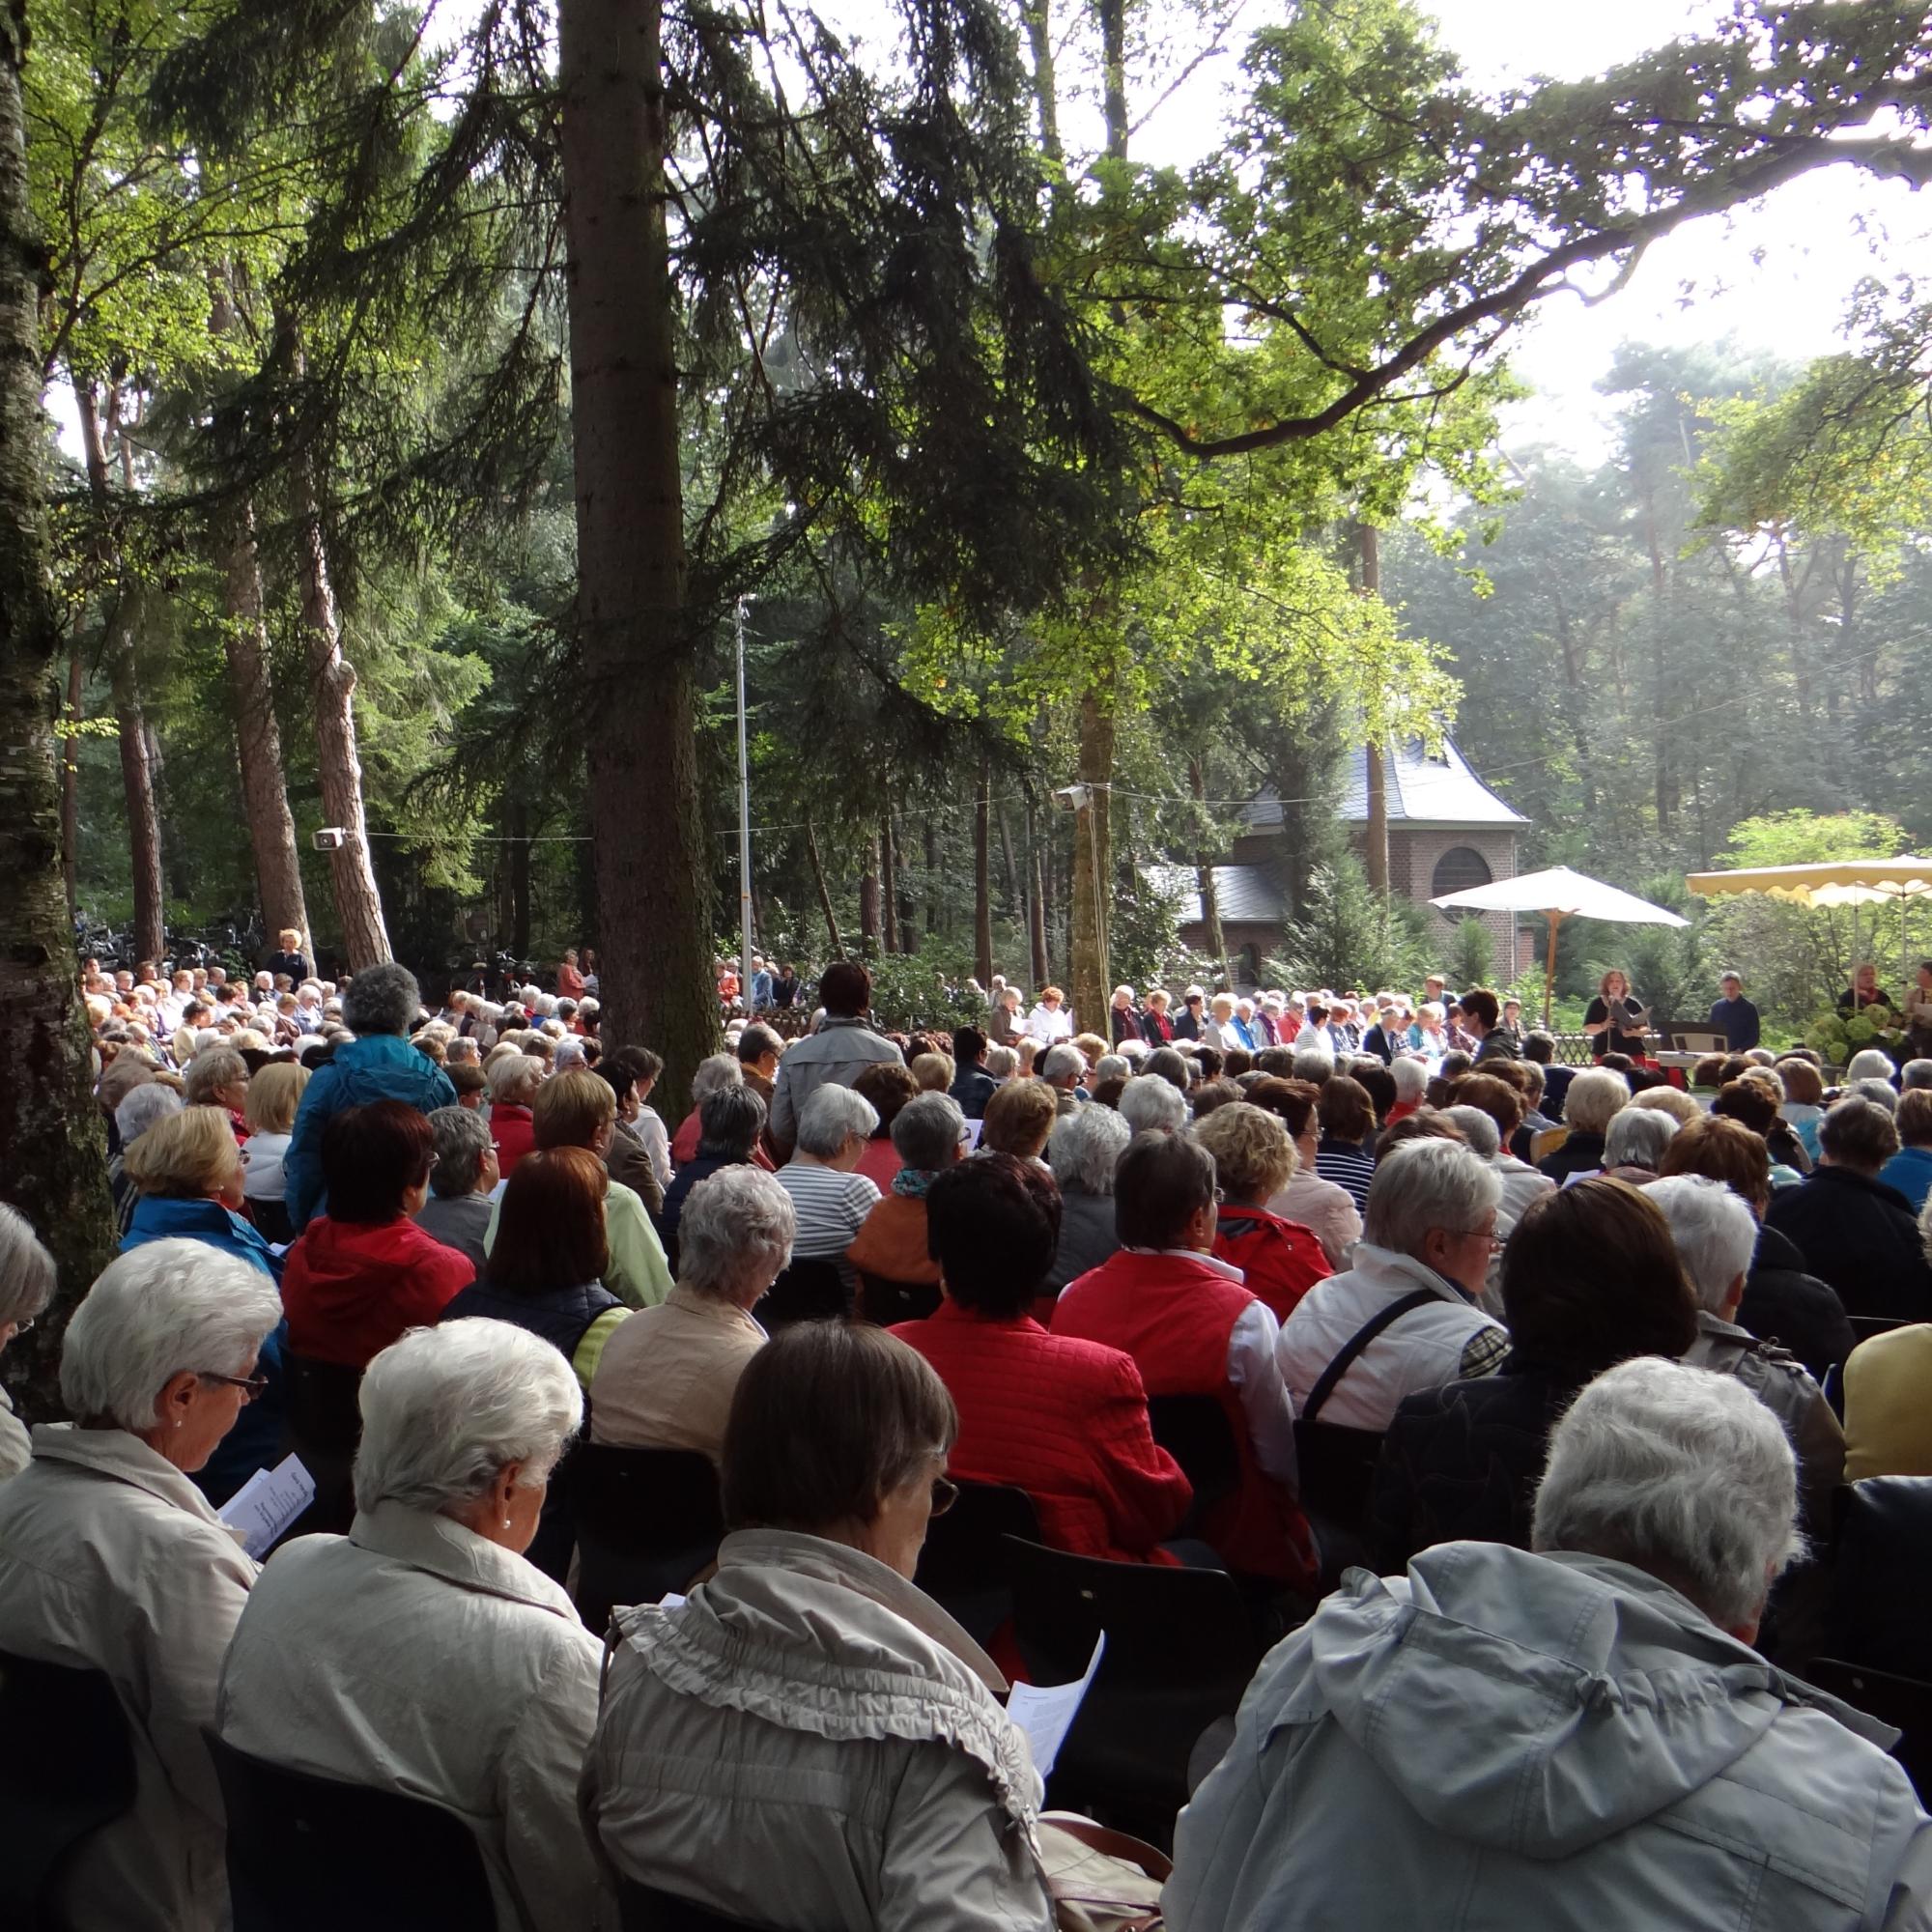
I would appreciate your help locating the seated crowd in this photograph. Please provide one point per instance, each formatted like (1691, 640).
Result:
(1604, 1350)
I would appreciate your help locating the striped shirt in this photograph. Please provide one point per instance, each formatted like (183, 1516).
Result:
(831, 1207)
(1347, 1167)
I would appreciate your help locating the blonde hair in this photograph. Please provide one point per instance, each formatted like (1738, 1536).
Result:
(514, 1079)
(1019, 1117)
(184, 1155)
(212, 1068)
(273, 1095)
(288, 932)
(571, 1108)
(1254, 1157)
(933, 1072)
(1671, 1100)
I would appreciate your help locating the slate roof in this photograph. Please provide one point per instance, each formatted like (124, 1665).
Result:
(1424, 788)
(1247, 894)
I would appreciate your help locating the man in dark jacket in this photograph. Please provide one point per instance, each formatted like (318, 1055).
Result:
(1785, 1302)
(1734, 1016)
(972, 1085)
(1854, 1232)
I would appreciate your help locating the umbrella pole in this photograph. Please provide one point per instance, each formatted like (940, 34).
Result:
(1550, 967)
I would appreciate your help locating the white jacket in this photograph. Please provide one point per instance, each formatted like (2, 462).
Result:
(1427, 1347)
(16, 1446)
(110, 1559)
(813, 1745)
(415, 1656)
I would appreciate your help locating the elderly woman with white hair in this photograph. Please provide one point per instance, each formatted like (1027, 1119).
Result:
(1084, 1150)
(1151, 1103)
(1592, 1102)
(112, 1560)
(832, 1198)
(26, 1286)
(1670, 1763)
(1635, 1143)
(420, 1654)
(378, 1065)
(151, 1101)
(668, 1376)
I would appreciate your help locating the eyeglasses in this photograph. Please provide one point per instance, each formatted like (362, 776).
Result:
(251, 1385)
(945, 1494)
(21, 1327)
(1219, 1197)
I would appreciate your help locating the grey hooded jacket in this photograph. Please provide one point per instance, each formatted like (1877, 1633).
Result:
(1499, 1740)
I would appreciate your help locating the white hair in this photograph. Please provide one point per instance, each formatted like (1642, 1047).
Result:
(1594, 1097)
(1914, 1073)
(1478, 1130)
(1638, 1137)
(1086, 1147)
(1428, 1183)
(1679, 1471)
(737, 1226)
(1151, 1103)
(720, 1070)
(1878, 1091)
(1715, 1232)
(1112, 1066)
(1060, 1061)
(1002, 1062)
(446, 1408)
(830, 1118)
(155, 1311)
(1410, 1077)
(515, 1079)
(1869, 1064)
(26, 1268)
(1314, 1064)
(926, 1131)
(151, 1101)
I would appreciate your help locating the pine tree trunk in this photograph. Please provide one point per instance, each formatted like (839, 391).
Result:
(929, 850)
(519, 854)
(71, 786)
(869, 935)
(653, 863)
(1204, 878)
(53, 1152)
(983, 883)
(824, 892)
(1375, 856)
(889, 885)
(1040, 913)
(1093, 859)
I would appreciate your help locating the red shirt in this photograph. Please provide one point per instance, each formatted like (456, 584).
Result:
(1066, 1421)
(350, 1290)
(1280, 1259)
(569, 983)
(691, 1130)
(513, 1132)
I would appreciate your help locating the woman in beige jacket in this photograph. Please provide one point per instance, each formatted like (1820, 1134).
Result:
(420, 1652)
(811, 1741)
(111, 1560)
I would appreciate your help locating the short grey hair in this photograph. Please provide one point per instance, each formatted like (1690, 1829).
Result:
(926, 1131)
(446, 1408)
(1478, 1130)
(1060, 1061)
(1594, 1097)
(737, 1226)
(1638, 1137)
(1869, 1064)
(1002, 1062)
(1410, 1077)
(1715, 1232)
(1151, 1103)
(381, 999)
(830, 1118)
(1914, 1073)
(1880, 1093)
(213, 1066)
(1429, 1184)
(462, 1141)
(717, 1071)
(1085, 1149)
(1314, 1064)
(1681, 1473)
(152, 1100)
(158, 1309)
(1114, 1066)
(514, 1080)
(26, 1269)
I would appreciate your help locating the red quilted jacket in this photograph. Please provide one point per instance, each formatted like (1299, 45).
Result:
(1066, 1421)
(1280, 1259)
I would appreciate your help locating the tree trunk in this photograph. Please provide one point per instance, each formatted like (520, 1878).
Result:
(653, 891)
(983, 882)
(1204, 877)
(868, 901)
(53, 1153)
(929, 851)
(889, 885)
(1092, 858)
(71, 786)
(1667, 783)
(1016, 896)
(824, 891)
(1375, 855)
(519, 829)
(1038, 912)
(1038, 19)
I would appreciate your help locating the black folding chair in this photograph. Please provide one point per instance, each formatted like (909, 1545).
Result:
(643, 1908)
(1903, 1702)
(1181, 1649)
(648, 1522)
(1337, 1468)
(807, 1291)
(309, 1853)
(1193, 1429)
(66, 1767)
(886, 1302)
(966, 1566)
(324, 1429)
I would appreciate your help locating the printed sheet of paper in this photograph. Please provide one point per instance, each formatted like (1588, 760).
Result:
(268, 1502)
(1045, 1712)
(973, 1129)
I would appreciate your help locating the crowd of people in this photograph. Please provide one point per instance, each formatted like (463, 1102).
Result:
(1619, 1339)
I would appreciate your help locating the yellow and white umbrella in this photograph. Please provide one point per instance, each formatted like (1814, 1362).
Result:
(1832, 882)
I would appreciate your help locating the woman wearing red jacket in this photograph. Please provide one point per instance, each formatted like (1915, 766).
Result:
(365, 1272)
(1279, 1260)
(1066, 1421)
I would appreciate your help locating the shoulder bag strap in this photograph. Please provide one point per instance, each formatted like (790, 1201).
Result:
(1344, 1361)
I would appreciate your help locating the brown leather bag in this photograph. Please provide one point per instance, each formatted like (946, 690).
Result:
(1102, 1880)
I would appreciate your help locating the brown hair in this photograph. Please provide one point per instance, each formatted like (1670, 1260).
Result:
(1858, 1134)
(1212, 1095)
(1162, 1182)
(993, 1226)
(1746, 1101)
(829, 1419)
(1020, 1116)
(1347, 1114)
(1802, 1083)
(550, 1228)
(1480, 1004)
(571, 1109)
(1591, 1277)
(1497, 1098)
(1252, 1154)
(1426, 1124)
(888, 1087)
(1914, 1119)
(1291, 1101)
(1723, 1150)
(372, 1156)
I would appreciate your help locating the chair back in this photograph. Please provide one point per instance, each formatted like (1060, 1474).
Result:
(325, 1425)
(1193, 1429)
(66, 1767)
(1337, 1467)
(966, 1566)
(807, 1291)
(886, 1302)
(1903, 1702)
(1866, 1326)
(643, 1908)
(648, 1522)
(309, 1853)
(1882, 1575)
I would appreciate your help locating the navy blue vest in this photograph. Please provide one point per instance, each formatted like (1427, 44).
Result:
(560, 1316)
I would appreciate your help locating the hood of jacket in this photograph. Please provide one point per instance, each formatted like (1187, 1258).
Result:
(380, 1067)
(815, 1637)
(340, 1255)
(1537, 1705)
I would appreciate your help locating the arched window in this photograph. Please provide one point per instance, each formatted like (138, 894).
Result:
(1458, 869)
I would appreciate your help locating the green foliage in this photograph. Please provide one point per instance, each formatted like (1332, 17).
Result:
(1799, 838)
(1143, 937)
(914, 990)
(1348, 935)
(1473, 954)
